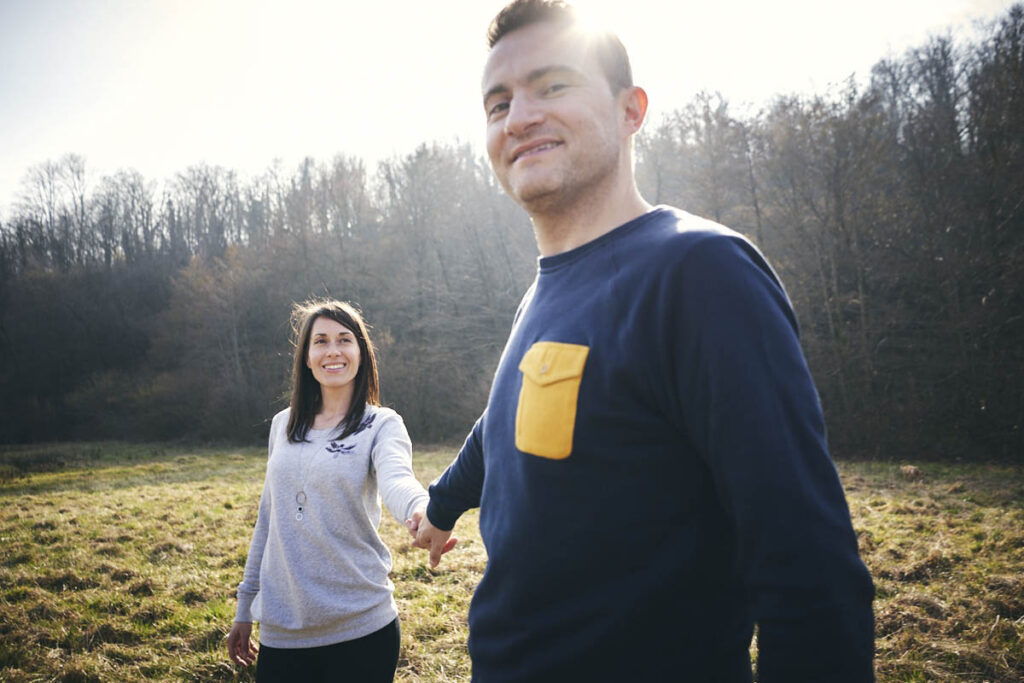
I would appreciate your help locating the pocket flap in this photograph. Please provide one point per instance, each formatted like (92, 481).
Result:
(549, 362)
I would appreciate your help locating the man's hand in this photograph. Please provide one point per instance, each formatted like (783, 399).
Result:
(429, 537)
(241, 649)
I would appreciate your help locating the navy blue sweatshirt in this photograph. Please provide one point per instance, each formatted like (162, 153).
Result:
(653, 477)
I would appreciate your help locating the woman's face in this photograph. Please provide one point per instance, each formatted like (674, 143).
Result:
(333, 354)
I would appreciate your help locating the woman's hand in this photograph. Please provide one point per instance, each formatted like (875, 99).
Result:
(241, 649)
(429, 537)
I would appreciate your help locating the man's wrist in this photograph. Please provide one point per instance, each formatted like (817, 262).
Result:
(440, 517)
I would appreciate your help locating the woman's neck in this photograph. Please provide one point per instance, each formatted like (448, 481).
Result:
(334, 405)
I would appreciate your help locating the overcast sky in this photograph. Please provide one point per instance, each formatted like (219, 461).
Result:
(159, 85)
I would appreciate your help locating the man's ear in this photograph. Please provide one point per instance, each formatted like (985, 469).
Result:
(634, 108)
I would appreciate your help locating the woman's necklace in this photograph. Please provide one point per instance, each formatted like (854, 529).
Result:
(300, 497)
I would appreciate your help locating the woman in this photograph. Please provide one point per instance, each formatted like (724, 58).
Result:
(316, 578)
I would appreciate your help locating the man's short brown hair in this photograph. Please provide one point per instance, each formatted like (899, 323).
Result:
(611, 53)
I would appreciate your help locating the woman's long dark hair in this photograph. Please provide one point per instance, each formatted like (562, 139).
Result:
(305, 398)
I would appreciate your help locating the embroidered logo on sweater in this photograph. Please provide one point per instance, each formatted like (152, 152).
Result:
(364, 425)
(336, 447)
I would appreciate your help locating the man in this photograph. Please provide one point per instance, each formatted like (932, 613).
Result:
(651, 468)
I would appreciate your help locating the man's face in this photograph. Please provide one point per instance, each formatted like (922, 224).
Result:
(553, 124)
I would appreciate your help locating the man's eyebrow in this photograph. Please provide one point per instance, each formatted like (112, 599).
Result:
(531, 77)
(495, 90)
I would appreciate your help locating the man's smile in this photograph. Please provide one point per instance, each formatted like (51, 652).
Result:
(533, 148)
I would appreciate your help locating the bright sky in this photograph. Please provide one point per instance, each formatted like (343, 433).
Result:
(159, 85)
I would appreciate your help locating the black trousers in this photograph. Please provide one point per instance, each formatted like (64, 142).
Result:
(370, 659)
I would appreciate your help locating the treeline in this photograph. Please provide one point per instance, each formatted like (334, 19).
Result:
(894, 213)
(125, 314)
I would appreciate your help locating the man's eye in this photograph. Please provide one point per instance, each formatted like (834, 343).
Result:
(555, 87)
(498, 108)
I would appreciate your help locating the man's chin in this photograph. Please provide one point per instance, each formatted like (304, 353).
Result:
(537, 194)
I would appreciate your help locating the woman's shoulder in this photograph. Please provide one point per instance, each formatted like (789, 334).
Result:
(279, 422)
(380, 417)
(281, 416)
(381, 412)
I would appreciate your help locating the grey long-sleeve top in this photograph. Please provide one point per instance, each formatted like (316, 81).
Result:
(317, 570)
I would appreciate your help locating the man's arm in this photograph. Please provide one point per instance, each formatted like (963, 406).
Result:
(457, 489)
(748, 401)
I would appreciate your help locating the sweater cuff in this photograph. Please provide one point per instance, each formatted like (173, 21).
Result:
(243, 612)
(442, 518)
(420, 501)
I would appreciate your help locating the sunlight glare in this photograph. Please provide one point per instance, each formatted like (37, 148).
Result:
(162, 86)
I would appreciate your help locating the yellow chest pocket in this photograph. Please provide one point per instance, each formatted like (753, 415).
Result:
(546, 415)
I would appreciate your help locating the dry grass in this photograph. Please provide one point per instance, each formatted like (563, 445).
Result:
(947, 553)
(119, 563)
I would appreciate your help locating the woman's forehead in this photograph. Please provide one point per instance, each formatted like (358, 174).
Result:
(325, 325)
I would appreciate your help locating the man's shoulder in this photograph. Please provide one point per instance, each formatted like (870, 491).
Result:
(675, 233)
(690, 227)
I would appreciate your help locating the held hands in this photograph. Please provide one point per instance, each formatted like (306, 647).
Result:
(429, 537)
(241, 649)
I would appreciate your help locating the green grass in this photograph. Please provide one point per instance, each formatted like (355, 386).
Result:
(119, 563)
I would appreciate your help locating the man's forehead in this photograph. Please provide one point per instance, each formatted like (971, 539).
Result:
(534, 47)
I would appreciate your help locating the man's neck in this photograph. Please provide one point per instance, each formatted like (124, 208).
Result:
(558, 231)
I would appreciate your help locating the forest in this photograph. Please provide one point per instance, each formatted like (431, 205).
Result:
(892, 209)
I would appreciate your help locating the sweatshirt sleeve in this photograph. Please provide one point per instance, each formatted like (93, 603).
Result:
(753, 412)
(392, 460)
(459, 487)
(250, 585)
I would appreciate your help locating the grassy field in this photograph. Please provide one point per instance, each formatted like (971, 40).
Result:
(119, 563)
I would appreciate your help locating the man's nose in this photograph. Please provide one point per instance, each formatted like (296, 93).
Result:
(523, 114)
